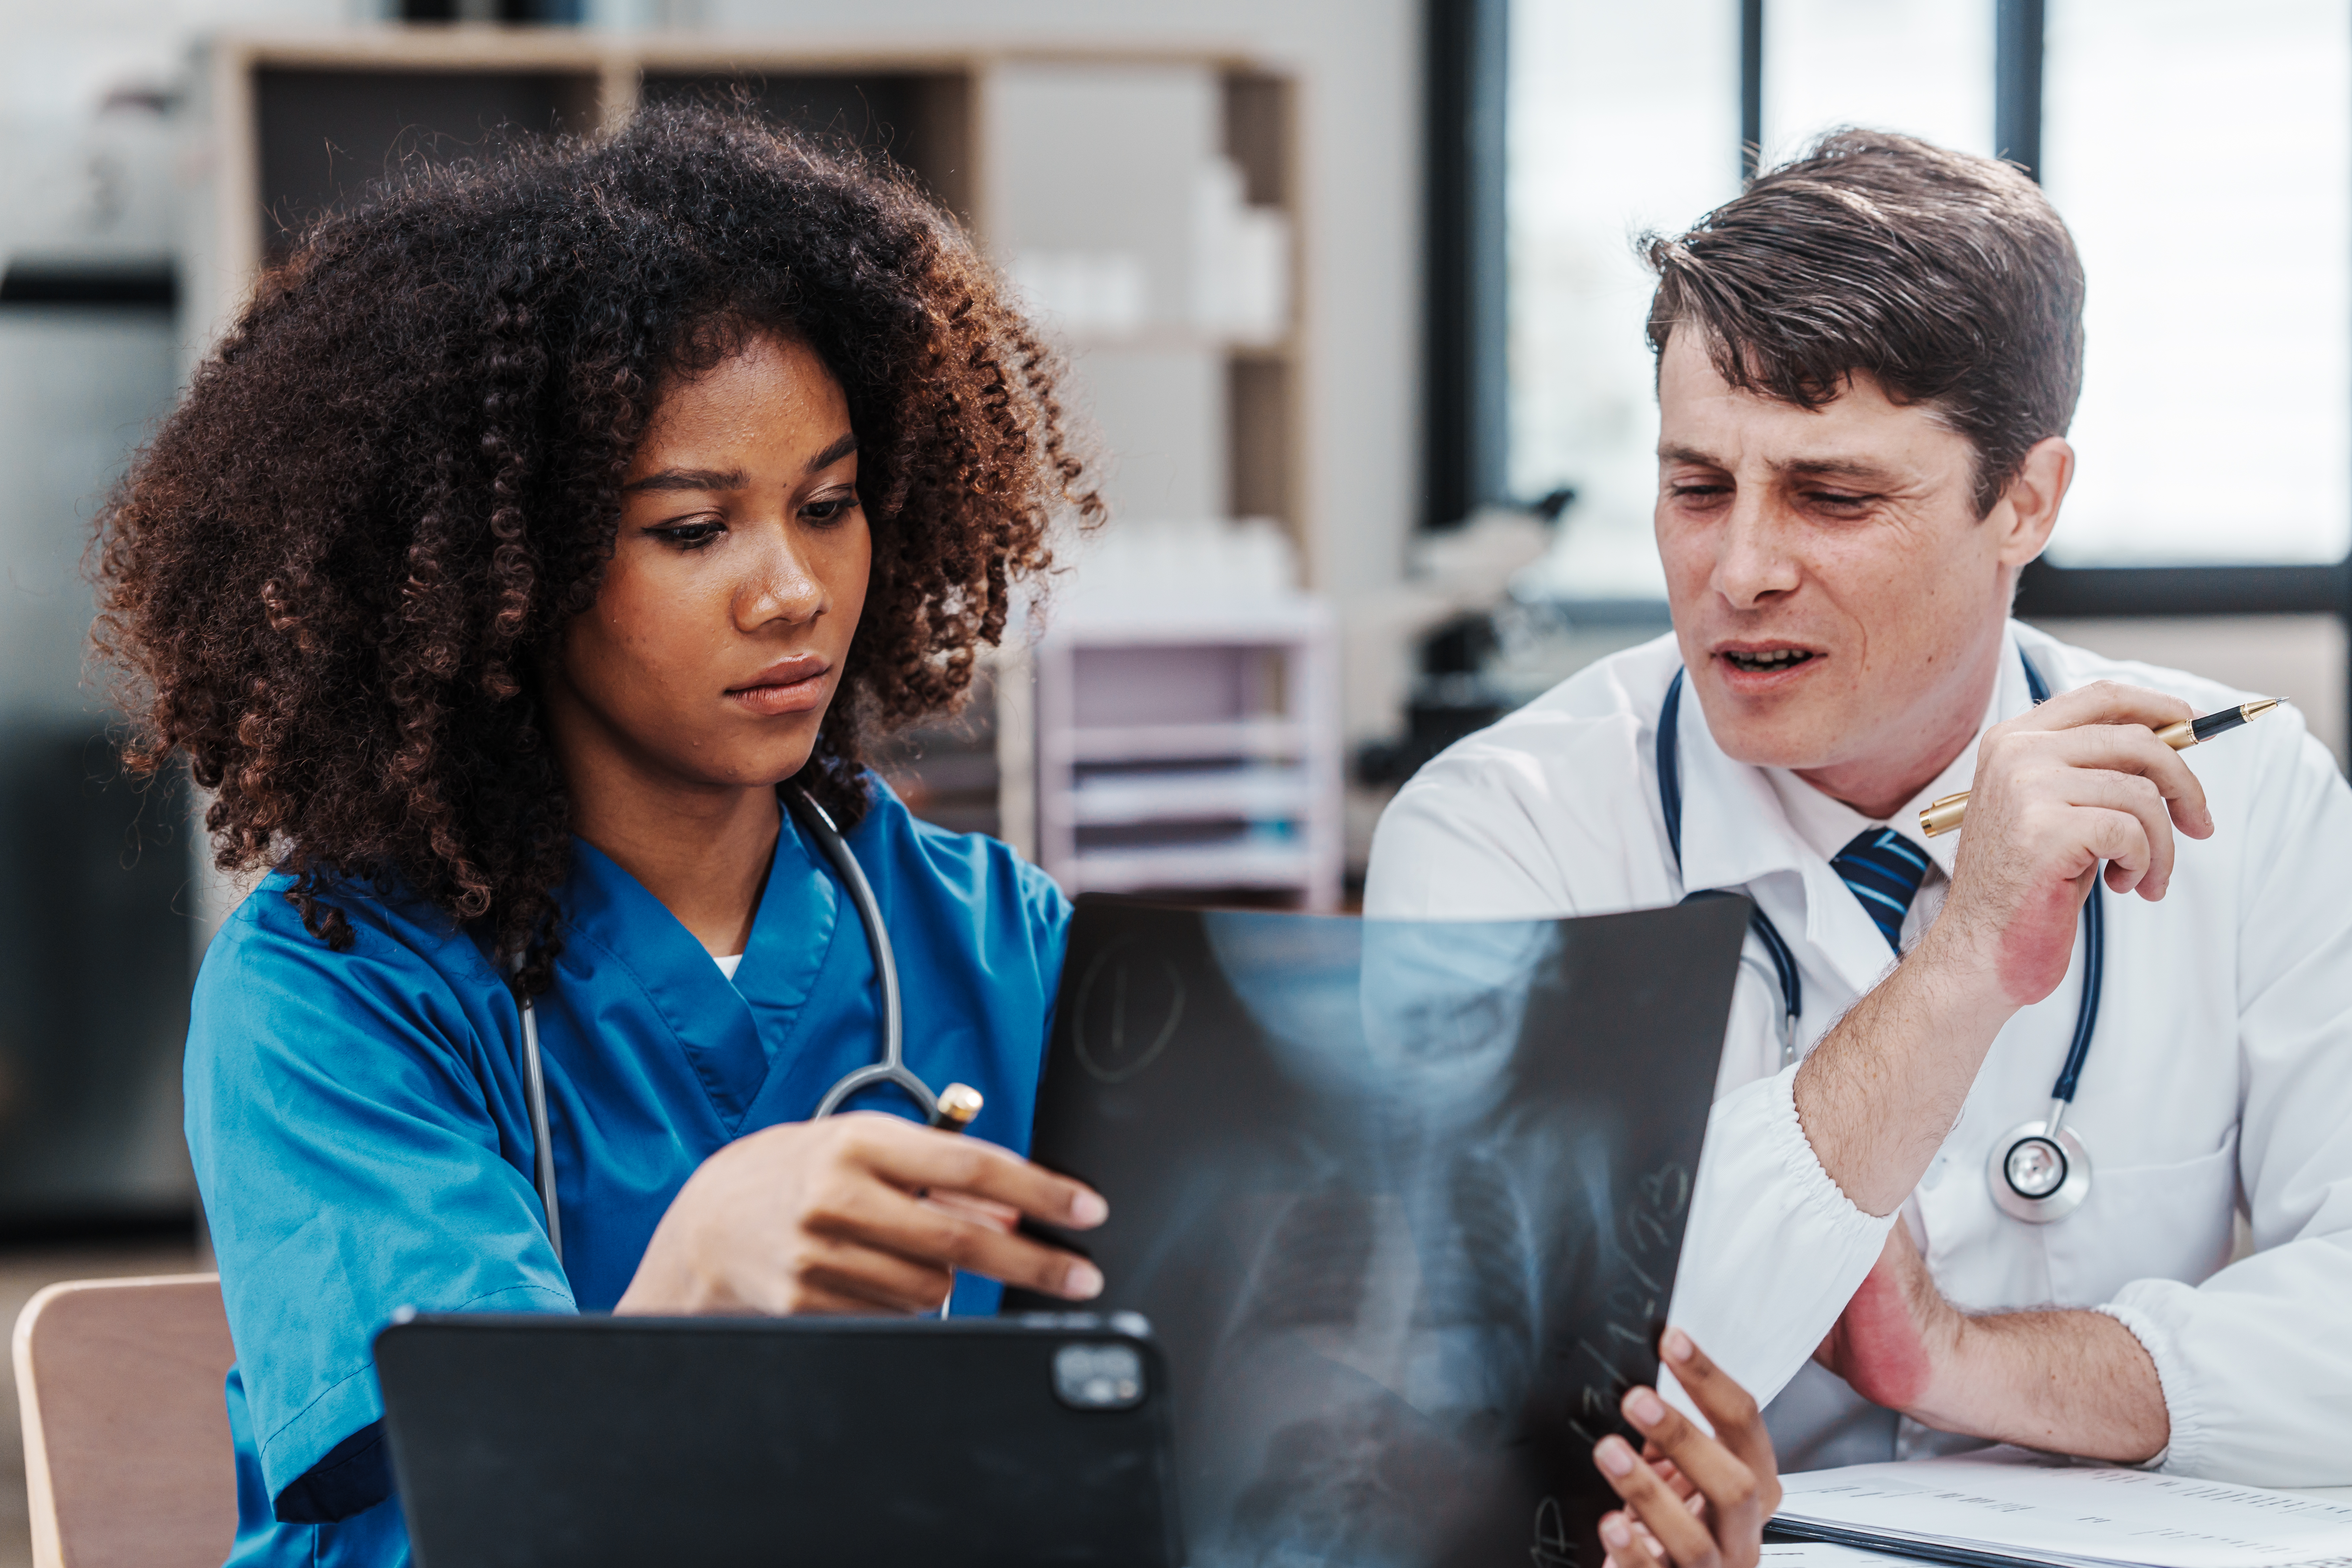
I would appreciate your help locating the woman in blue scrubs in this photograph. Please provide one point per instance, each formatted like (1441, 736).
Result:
(536, 523)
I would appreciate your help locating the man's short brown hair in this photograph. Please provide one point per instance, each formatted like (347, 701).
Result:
(1946, 278)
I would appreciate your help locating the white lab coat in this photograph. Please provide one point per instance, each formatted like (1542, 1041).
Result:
(2220, 1076)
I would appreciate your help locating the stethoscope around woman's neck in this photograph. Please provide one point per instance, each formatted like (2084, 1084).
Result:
(2038, 1171)
(890, 1069)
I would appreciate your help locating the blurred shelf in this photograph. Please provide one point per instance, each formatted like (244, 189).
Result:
(1225, 795)
(1132, 700)
(1245, 864)
(1256, 738)
(1118, 622)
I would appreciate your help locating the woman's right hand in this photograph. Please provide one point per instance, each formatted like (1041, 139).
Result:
(862, 1213)
(1692, 1501)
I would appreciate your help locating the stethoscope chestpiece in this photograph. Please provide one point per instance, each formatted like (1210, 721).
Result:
(2036, 1175)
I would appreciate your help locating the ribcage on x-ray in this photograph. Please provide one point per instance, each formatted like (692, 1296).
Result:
(1479, 1306)
(1362, 1485)
(1313, 1268)
(1484, 1247)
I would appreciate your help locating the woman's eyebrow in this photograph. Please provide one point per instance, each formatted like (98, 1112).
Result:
(689, 479)
(842, 447)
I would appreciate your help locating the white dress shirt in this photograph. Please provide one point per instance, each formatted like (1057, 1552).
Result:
(2220, 1076)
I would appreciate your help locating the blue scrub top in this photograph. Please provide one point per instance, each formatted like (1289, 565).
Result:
(363, 1142)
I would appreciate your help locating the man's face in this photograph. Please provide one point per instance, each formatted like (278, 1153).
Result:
(1838, 602)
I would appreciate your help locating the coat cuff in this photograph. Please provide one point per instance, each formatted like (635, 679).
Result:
(2184, 1446)
(1824, 1201)
(1775, 1249)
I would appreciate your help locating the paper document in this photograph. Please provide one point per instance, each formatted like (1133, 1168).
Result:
(1825, 1555)
(2005, 1505)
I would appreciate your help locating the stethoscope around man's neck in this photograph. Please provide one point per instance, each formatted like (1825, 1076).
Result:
(890, 1069)
(2038, 1171)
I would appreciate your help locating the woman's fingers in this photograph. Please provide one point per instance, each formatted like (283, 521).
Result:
(996, 1216)
(1729, 1409)
(857, 1213)
(1721, 1476)
(1693, 1501)
(813, 1303)
(916, 1158)
(1629, 1545)
(928, 1231)
(1668, 1472)
(847, 1278)
(1684, 1538)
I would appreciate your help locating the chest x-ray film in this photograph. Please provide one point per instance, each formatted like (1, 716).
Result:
(1403, 1202)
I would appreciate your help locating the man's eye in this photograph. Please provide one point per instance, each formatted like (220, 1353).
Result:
(689, 535)
(1696, 492)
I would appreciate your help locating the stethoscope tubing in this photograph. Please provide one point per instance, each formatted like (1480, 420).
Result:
(1670, 802)
(543, 1146)
(891, 1069)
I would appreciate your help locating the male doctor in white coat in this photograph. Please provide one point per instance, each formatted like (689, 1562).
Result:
(1866, 367)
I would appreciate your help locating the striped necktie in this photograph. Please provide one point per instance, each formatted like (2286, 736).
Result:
(1884, 870)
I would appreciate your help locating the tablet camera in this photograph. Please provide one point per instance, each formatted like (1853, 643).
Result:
(1098, 1376)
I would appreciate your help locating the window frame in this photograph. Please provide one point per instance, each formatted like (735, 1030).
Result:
(1464, 460)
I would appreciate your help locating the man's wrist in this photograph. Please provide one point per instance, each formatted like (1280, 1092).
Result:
(1960, 975)
(1878, 1096)
(1962, 1393)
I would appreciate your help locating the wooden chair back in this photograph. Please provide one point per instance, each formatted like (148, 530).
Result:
(126, 1452)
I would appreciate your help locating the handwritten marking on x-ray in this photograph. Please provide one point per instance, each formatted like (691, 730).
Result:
(1552, 1549)
(1114, 1056)
(1633, 1311)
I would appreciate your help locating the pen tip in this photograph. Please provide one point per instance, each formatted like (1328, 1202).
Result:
(2260, 706)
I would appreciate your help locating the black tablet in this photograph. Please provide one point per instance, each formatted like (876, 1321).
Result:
(1403, 1202)
(623, 1442)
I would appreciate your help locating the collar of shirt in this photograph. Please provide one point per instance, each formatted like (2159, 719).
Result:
(731, 1033)
(1742, 823)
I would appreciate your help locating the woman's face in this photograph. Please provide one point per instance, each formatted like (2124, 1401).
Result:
(717, 641)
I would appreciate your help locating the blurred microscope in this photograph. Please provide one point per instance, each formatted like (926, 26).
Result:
(1488, 635)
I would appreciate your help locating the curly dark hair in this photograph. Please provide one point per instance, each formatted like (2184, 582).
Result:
(330, 579)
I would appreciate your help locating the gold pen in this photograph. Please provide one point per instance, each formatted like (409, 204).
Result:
(1943, 815)
(959, 1104)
